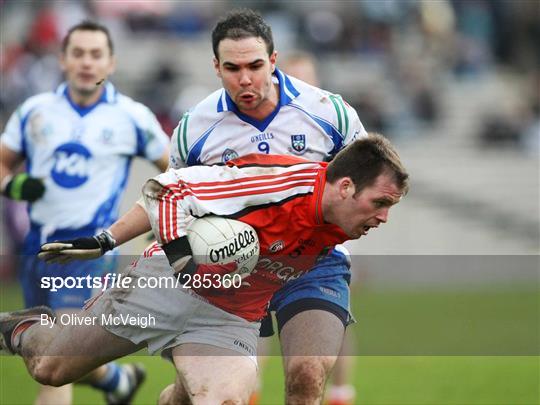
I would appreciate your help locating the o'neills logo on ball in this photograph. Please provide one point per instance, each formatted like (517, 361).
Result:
(240, 241)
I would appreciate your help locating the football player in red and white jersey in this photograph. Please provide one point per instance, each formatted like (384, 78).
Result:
(306, 205)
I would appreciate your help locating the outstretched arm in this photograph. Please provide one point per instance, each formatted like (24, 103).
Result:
(132, 224)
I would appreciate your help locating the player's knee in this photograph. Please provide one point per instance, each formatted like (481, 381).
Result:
(49, 371)
(174, 394)
(306, 377)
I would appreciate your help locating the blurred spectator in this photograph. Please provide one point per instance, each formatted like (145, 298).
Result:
(420, 91)
(498, 131)
(368, 106)
(31, 67)
(530, 132)
(190, 95)
(476, 26)
(158, 93)
(515, 124)
(530, 137)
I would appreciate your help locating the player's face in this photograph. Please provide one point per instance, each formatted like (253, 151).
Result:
(245, 69)
(86, 61)
(357, 214)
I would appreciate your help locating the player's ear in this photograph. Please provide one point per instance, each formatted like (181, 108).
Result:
(346, 187)
(216, 67)
(112, 66)
(62, 61)
(273, 59)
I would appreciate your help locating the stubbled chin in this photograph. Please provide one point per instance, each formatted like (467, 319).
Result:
(248, 104)
(87, 90)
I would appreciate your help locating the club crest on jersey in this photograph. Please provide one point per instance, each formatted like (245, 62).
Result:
(106, 135)
(39, 128)
(77, 131)
(228, 154)
(276, 246)
(298, 143)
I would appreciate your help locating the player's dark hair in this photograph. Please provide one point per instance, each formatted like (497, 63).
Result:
(366, 159)
(88, 25)
(239, 24)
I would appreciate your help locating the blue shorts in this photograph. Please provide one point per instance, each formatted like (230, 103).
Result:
(325, 287)
(32, 270)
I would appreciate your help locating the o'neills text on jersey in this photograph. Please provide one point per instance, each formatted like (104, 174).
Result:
(265, 136)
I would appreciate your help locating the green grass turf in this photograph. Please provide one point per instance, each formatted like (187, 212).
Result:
(391, 323)
(378, 380)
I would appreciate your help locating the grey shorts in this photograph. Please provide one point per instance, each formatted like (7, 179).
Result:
(168, 315)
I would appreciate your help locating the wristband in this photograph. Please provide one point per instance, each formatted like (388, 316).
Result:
(14, 186)
(106, 241)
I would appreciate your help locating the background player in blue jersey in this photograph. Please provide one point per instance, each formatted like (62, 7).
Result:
(262, 110)
(77, 143)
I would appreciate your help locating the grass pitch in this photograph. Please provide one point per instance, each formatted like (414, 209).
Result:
(396, 361)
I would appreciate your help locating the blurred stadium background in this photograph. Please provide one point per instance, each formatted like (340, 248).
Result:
(448, 298)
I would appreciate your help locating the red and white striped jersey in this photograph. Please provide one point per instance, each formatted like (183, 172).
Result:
(279, 196)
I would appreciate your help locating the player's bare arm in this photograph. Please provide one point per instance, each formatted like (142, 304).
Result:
(163, 162)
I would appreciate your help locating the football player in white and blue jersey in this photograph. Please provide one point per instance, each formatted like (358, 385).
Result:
(260, 109)
(77, 143)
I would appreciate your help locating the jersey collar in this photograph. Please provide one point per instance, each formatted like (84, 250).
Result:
(108, 95)
(287, 93)
(316, 205)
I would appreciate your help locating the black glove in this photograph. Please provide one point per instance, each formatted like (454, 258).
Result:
(77, 249)
(23, 187)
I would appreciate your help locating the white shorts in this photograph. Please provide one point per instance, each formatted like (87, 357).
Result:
(166, 317)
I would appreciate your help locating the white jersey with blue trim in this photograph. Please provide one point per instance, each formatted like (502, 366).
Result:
(83, 154)
(308, 122)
